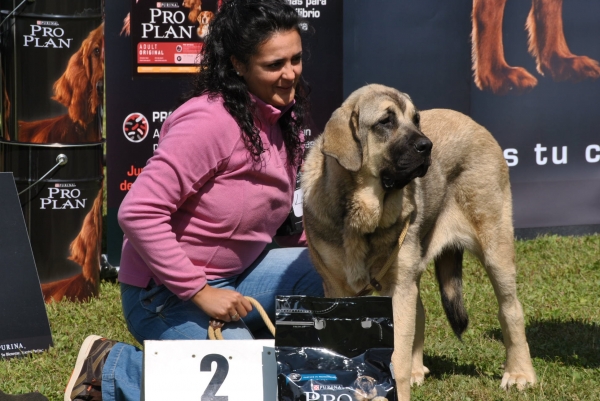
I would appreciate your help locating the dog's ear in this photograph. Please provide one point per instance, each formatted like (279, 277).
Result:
(340, 139)
(68, 89)
(74, 88)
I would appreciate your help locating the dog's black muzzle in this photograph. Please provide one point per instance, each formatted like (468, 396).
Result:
(409, 157)
(100, 89)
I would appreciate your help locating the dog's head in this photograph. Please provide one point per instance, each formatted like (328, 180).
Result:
(377, 130)
(192, 3)
(195, 6)
(365, 388)
(204, 19)
(80, 86)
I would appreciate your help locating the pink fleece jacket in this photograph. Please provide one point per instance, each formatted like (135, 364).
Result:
(201, 208)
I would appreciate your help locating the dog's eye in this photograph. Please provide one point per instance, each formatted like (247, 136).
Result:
(386, 122)
(417, 119)
(97, 51)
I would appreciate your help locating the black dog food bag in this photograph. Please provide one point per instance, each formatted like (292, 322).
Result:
(334, 349)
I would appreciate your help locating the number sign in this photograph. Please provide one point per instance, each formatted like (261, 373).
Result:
(202, 370)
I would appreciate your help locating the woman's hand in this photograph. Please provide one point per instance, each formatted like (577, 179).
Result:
(222, 304)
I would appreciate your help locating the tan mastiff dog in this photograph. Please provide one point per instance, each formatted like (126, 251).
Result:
(434, 183)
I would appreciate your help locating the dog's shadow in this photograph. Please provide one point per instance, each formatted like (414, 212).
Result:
(573, 342)
(442, 365)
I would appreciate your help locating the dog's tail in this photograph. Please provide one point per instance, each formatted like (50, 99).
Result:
(448, 271)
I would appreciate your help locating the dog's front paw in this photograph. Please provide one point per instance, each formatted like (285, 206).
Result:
(570, 68)
(417, 376)
(505, 80)
(521, 380)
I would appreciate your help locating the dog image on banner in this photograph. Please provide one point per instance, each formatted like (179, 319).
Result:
(387, 189)
(547, 44)
(80, 89)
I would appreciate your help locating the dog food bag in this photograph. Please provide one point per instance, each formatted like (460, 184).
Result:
(334, 349)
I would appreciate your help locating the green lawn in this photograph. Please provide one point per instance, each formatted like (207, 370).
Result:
(559, 287)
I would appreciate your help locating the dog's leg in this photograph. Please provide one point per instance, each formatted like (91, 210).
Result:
(491, 72)
(406, 300)
(405, 313)
(499, 261)
(418, 369)
(548, 45)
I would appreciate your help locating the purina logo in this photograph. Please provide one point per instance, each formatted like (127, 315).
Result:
(53, 23)
(317, 387)
(136, 127)
(167, 5)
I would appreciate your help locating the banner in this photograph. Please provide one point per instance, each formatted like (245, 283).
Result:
(537, 96)
(136, 106)
(145, 77)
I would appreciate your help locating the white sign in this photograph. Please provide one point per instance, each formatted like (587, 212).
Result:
(203, 370)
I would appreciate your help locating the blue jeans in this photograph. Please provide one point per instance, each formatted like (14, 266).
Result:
(155, 313)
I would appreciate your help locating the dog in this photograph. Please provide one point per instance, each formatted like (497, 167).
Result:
(204, 19)
(381, 172)
(547, 44)
(85, 251)
(195, 7)
(80, 89)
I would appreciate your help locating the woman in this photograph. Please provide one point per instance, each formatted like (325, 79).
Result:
(199, 216)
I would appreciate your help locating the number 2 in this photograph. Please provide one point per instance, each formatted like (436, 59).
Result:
(217, 379)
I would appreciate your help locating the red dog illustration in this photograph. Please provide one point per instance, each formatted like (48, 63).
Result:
(80, 90)
(547, 44)
(85, 251)
(195, 7)
(126, 30)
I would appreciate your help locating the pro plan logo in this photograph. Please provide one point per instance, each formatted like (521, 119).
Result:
(136, 127)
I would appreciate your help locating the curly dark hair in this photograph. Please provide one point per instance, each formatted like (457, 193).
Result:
(238, 29)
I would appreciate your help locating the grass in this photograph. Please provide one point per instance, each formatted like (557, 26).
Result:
(559, 285)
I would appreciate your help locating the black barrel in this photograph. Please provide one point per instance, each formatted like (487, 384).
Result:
(52, 79)
(60, 190)
(52, 61)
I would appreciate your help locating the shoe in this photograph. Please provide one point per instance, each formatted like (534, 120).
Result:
(86, 379)
(107, 271)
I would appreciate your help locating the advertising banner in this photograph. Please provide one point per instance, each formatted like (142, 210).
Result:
(527, 72)
(136, 106)
(542, 106)
(151, 51)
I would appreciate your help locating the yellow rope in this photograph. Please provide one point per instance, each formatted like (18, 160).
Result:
(215, 333)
